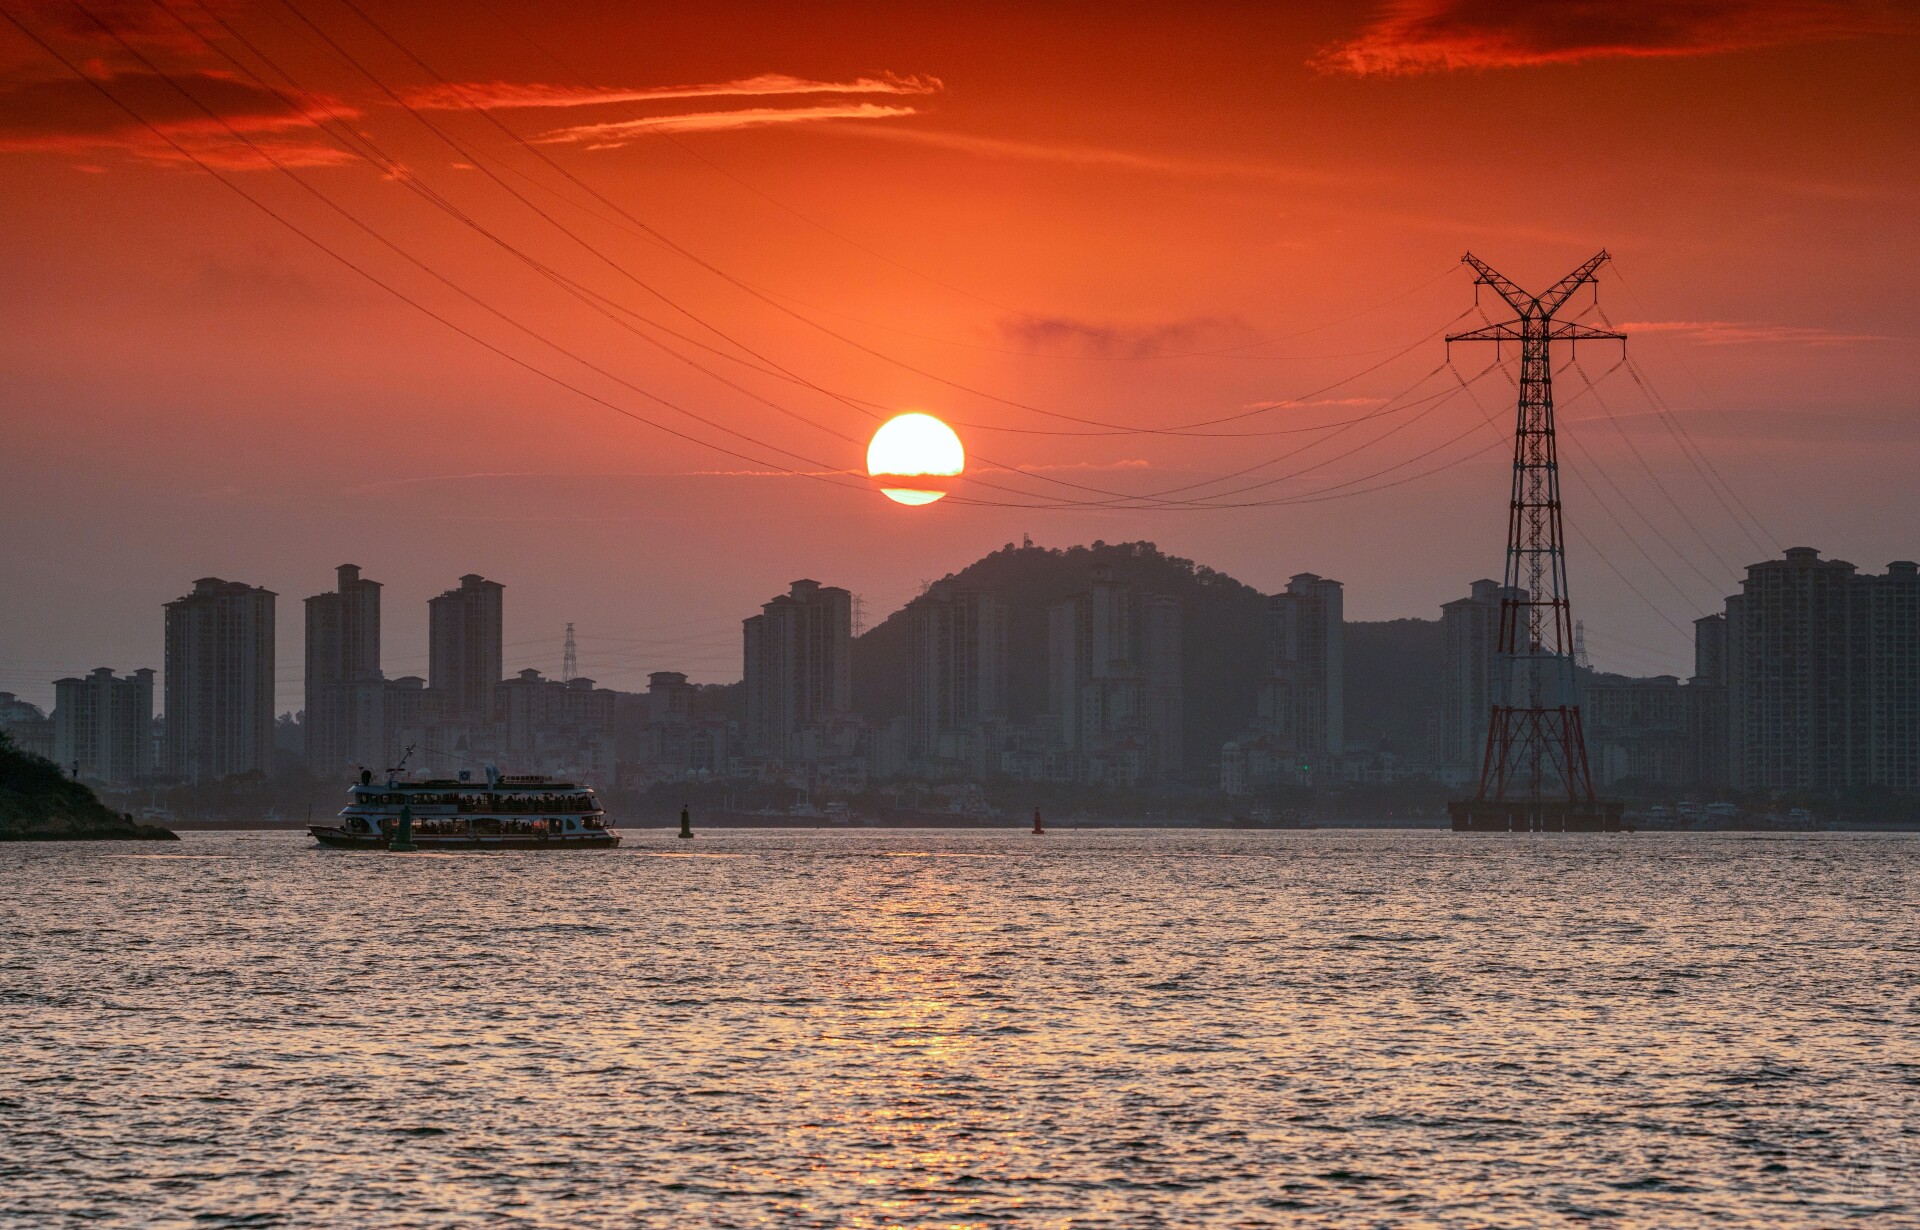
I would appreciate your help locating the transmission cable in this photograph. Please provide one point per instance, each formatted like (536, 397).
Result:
(373, 278)
(383, 161)
(485, 114)
(1601, 504)
(1704, 458)
(1101, 335)
(1626, 438)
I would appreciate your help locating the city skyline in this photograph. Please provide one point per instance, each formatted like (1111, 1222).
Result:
(713, 650)
(1804, 683)
(1119, 244)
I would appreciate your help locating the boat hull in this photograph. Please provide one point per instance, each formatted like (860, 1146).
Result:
(339, 839)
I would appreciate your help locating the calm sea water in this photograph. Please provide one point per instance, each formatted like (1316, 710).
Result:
(909, 1028)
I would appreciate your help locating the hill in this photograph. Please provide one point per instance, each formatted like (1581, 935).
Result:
(1221, 634)
(1392, 669)
(39, 803)
(1394, 677)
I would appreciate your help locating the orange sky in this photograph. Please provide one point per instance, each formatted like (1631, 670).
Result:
(1026, 219)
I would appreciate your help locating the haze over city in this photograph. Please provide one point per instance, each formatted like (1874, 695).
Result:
(1210, 211)
(994, 615)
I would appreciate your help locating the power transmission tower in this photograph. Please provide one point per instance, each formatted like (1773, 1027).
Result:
(569, 659)
(859, 614)
(1580, 658)
(1535, 775)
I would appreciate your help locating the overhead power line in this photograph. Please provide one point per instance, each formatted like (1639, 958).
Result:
(486, 115)
(1110, 499)
(1072, 326)
(187, 154)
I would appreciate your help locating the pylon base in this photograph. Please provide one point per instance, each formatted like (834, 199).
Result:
(1536, 816)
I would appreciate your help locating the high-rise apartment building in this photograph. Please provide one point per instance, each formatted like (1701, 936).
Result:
(1115, 681)
(1471, 626)
(1707, 708)
(219, 680)
(1092, 679)
(1303, 701)
(798, 663)
(1893, 677)
(464, 658)
(103, 726)
(345, 692)
(957, 652)
(1163, 658)
(1823, 676)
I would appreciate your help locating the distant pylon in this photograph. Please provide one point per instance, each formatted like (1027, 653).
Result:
(859, 614)
(569, 659)
(1580, 646)
(1536, 753)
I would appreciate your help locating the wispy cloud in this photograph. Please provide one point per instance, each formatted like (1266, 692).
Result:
(67, 117)
(508, 95)
(1421, 36)
(101, 25)
(620, 132)
(1109, 341)
(1732, 332)
(1100, 156)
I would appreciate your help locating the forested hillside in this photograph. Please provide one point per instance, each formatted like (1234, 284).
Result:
(1392, 669)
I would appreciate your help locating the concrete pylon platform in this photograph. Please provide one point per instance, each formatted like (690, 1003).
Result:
(1536, 816)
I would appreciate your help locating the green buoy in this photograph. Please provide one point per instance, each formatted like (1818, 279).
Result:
(686, 823)
(403, 840)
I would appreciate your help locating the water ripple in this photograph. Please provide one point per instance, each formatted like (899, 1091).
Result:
(965, 1029)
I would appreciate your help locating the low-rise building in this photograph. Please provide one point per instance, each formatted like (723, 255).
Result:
(26, 726)
(674, 731)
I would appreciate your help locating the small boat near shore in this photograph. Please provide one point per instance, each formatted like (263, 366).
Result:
(508, 813)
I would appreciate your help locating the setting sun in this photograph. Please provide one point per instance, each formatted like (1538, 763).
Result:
(914, 446)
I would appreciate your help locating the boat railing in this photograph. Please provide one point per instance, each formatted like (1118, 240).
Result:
(569, 805)
(500, 828)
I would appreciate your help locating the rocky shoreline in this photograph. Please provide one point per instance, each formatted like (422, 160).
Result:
(39, 803)
(83, 828)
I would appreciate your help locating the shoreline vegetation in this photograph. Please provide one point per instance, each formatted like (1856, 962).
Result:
(39, 803)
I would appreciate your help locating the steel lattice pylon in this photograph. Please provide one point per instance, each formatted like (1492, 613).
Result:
(1536, 753)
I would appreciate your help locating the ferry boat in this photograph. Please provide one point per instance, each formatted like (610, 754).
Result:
(528, 812)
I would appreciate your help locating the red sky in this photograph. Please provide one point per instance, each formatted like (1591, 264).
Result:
(1027, 219)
